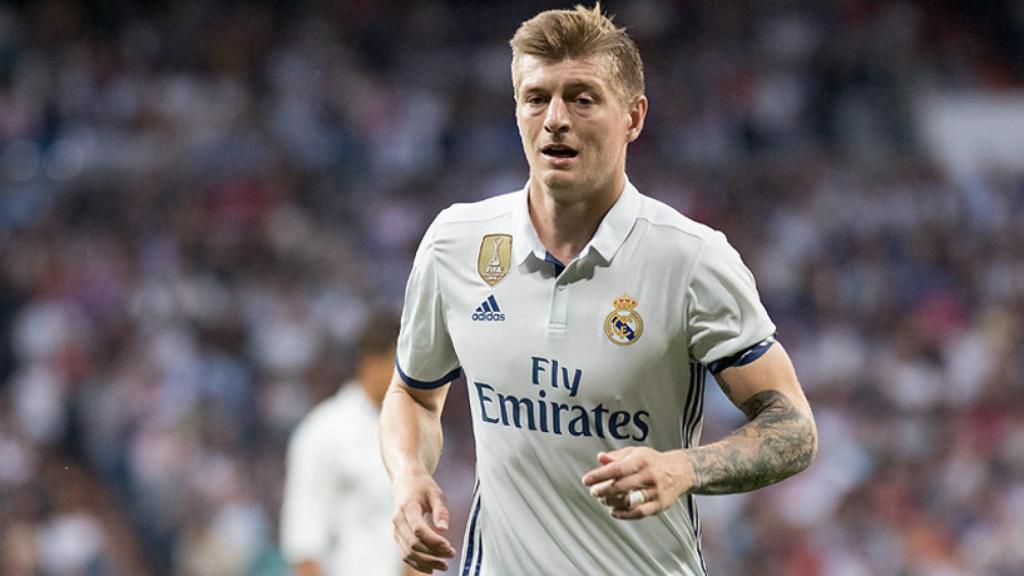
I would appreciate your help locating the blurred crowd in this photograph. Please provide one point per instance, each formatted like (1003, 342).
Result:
(201, 200)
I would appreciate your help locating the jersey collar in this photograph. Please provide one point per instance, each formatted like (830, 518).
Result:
(607, 240)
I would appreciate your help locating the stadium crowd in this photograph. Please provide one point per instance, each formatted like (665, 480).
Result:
(200, 201)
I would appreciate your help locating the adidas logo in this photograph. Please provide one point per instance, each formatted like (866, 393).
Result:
(489, 311)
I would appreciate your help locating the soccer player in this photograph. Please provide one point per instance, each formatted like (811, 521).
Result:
(335, 518)
(585, 317)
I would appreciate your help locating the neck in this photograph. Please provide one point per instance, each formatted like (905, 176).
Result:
(565, 226)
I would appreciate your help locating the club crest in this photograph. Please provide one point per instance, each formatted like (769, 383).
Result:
(623, 324)
(495, 256)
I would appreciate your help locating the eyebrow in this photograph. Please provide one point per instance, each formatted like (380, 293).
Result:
(581, 84)
(572, 85)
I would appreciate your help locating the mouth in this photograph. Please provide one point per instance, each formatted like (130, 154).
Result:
(559, 151)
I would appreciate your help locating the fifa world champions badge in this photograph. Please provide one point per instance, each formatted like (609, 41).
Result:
(495, 257)
(623, 324)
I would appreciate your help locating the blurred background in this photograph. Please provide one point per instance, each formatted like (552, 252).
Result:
(201, 200)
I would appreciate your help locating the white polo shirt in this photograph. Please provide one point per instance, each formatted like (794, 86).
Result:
(337, 499)
(609, 353)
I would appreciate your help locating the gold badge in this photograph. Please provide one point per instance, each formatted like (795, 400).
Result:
(494, 258)
(624, 325)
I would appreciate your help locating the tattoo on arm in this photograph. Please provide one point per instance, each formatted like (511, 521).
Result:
(777, 442)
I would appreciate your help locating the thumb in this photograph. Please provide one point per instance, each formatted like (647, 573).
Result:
(439, 509)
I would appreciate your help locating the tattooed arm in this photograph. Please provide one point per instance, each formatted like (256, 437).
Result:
(779, 439)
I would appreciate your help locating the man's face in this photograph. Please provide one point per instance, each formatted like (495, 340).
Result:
(574, 124)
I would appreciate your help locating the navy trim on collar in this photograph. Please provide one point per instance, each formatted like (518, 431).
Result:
(559, 267)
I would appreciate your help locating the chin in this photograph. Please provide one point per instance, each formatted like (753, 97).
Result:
(561, 187)
(558, 181)
(565, 189)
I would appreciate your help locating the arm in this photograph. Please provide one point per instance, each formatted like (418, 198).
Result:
(779, 440)
(411, 439)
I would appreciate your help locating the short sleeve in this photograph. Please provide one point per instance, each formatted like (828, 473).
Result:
(426, 357)
(724, 311)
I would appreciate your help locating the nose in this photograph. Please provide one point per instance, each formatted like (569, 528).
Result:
(556, 120)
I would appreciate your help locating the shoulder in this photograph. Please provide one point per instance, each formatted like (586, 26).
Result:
(468, 213)
(464, 222)
(674, 230)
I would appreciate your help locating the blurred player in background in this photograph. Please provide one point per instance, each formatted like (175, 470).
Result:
(585, 317)
(336, 516)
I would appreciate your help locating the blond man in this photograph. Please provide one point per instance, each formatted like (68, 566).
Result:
(585, 317)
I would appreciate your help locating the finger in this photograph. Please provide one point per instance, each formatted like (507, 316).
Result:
(610, 500)
(606, 459)
(411, 547)
(642, 511)
(636, 478)
(614, 455)
(424, 549)
(614, 501)
(623, 486)
(434, 561)
(620, 501)
(425, 562)
(422, 533)
(598, 490)
(433, 542)
(408, 542)
(439, 510)
(419, 568)
(623, 502)
(403, 533)
(612, 471)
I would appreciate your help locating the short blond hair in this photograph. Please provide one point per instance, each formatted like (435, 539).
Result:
(556, 35)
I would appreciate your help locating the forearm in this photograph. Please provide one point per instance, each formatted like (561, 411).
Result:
(411, 434)
(778, 441)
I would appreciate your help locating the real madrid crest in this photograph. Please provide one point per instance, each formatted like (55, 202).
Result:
(495, 256)
(623, 324)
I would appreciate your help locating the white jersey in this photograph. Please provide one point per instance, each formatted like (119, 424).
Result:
(337, 499)
(608, 353)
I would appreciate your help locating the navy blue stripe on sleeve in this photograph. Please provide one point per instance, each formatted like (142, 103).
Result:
(743, 357)
(422, 385)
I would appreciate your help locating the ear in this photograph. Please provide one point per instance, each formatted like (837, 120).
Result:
(637, 115)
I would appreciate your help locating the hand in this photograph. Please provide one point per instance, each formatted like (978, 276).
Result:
(421, 542)
(661, 476)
